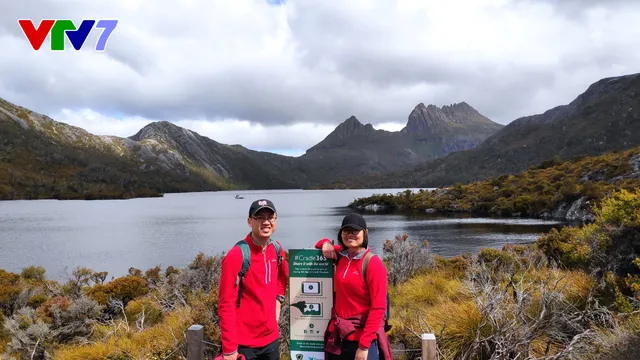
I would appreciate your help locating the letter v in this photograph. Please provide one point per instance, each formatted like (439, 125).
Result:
(78, 37)
(36, 36)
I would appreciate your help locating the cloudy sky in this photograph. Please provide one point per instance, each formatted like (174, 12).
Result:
(279, 76)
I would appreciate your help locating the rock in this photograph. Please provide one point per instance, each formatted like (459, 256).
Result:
(560, 212)
(20, 122)
(592, 176)
(634, 162)
(580, 210)
(375, 207)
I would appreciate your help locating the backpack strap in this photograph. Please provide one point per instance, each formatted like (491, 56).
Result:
(365, 264)
(246, 262)
(278, 247)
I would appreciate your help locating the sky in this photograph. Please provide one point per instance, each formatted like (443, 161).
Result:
(280, 75)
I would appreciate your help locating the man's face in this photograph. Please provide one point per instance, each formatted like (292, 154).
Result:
(263, 223)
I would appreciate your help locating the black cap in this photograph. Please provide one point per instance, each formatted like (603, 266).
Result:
(355, 221)
(261, 204)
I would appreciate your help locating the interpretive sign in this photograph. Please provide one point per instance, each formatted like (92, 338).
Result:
(311, 299)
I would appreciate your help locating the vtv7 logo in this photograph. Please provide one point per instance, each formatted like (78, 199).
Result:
(58, 28)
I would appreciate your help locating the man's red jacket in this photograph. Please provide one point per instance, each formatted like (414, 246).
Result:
(254, 323)
(355, 297)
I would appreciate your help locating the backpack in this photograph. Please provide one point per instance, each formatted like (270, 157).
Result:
(365, 264)
(246, 262)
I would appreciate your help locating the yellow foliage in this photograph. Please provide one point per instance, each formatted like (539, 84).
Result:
(153, 343)
(428, 289)
(457, 322)
(441, 300)
(124, 288)
(620, 209)
(152, 313)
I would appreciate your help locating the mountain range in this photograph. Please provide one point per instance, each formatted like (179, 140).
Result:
(603, 118)
(44, 158)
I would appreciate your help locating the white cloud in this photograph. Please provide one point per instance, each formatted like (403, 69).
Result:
(224, 67)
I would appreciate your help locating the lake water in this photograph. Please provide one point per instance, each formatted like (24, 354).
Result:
(114, 235)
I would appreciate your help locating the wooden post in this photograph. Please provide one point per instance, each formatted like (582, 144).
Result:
(429, 351)
(195, 347)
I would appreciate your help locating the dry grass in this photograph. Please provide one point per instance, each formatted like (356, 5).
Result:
(154, 343)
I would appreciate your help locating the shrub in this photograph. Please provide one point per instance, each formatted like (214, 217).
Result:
(405, 258)
(9, 291)
(143, 313)
(34, 273)
(123, 289)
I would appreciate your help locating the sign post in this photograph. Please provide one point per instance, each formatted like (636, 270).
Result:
(311, 299)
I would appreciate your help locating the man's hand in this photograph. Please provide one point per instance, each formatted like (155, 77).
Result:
(278, 308)
(360, 354)
(328, 251)
(233, 356)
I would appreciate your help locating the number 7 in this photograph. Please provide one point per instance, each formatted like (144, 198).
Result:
(108, 26)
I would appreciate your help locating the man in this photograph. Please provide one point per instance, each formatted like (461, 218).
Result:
(249, 306)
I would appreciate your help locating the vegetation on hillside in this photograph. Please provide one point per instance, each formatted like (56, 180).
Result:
(32, 167)
(573, 294)
(533, 193)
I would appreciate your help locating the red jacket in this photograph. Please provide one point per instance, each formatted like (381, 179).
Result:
(254, 323)
(354, 297)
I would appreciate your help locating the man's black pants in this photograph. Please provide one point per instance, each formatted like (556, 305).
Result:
(267, 352)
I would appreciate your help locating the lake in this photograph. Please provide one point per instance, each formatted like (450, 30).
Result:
(114, 235)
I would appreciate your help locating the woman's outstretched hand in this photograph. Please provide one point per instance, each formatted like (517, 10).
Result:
(328, 251)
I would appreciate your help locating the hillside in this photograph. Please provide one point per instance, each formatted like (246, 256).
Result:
(605, 117)
(555, 189)
(44, 158)
(242, 167)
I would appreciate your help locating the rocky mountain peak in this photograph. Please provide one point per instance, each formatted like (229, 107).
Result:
(432, 120)
(351, 126)
(160, 130)
(348, 129)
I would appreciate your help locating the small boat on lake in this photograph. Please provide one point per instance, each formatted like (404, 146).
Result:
(239, 197)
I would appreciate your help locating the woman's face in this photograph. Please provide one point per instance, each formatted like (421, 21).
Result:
(352, 238)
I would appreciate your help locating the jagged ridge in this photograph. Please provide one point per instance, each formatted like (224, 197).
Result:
(605, 117)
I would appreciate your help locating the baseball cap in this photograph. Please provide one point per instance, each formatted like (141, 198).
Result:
(355, 221)
(261, 204)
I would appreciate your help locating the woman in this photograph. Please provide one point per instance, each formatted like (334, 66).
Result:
(356, 330)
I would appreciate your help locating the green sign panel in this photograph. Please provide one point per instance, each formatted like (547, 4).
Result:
(311, 299)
